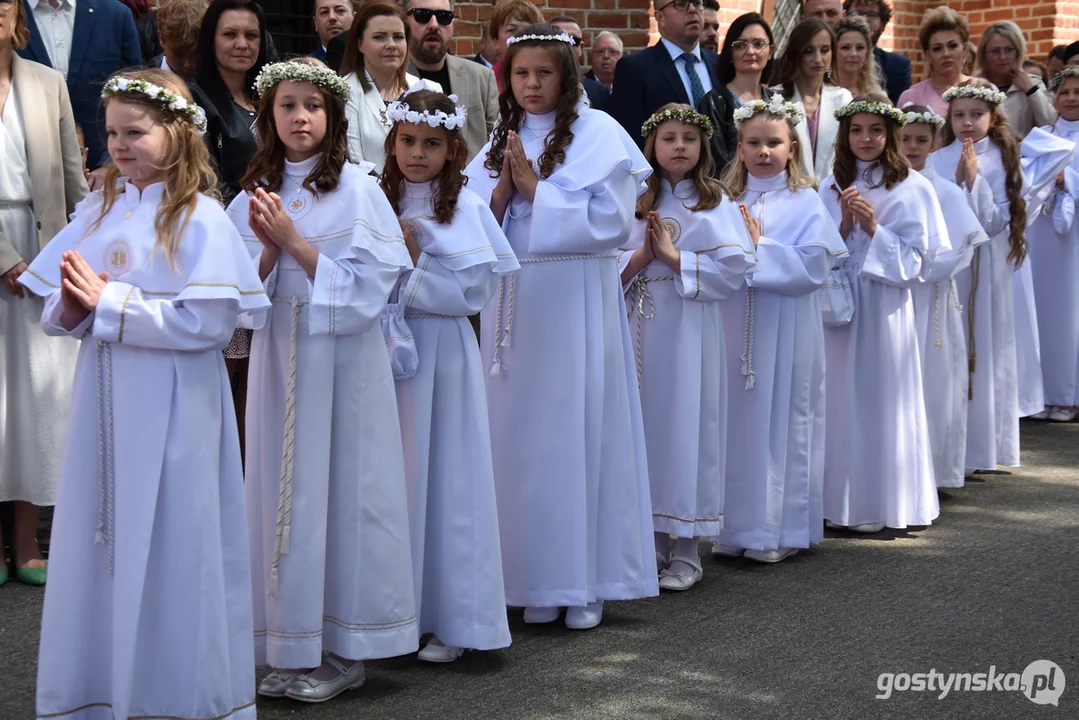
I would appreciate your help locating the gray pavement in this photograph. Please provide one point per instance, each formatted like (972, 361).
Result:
(992, 583)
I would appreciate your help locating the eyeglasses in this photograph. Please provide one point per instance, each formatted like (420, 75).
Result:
(575, 40)
(683, 5)
(423, 16)
(606, 52)
(867, 14)
(1001, 52)
(743, 45)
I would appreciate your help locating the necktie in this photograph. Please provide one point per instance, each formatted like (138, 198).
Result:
(696, 89)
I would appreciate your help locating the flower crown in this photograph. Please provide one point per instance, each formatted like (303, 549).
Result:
(874, 108)
(776, 106)
(928, 117)
(993, 97)
(684, 115)
(399, 111)
(160, 96)
(1068, 72)
(297, 72)
(561, 37)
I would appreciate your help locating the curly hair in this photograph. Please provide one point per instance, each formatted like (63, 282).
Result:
(868, 76)
(942, 19)
(709, 190)
(450, 179)
(881, 6)
(1000, 132)
(737, 177)
(790, 65)
(267, 166)
(510, 110)
(891, 160)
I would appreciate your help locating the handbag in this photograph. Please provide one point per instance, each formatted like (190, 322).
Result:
(837, 297)
(400, 344)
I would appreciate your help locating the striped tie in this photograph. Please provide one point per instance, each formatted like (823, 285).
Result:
(694, 82)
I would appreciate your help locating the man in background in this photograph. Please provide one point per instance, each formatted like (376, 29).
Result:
(894, 68)
(710, 26)
(607, 50)
(488, 54)
(830, 11)
(598, 95)
(332, 17)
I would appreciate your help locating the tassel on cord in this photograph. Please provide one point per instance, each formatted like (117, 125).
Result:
(506, 342)
(283, 534)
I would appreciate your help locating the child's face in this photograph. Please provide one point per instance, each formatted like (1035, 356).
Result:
(916, 142)
(535, 80)
(765, 146)
(971, 118)
(868, 135)
(678, 148)
(421, 151)
(1067, 99)
(138, 142)
(299, 114)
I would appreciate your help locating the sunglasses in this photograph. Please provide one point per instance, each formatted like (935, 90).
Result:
(423, 16)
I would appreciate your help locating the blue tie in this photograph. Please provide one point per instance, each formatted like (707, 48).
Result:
(695, 86)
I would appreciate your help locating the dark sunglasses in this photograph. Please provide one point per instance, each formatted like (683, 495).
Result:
(423, 16)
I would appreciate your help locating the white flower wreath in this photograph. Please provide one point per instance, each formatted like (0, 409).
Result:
(399, 111)
(929, 118)
(684, 115)
(297, 72)
(872, 107)
(776, 106)
(119, 85)
(993, 97)
(562, 37)
(1068, 72)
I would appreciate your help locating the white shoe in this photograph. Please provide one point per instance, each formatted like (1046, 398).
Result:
(1062, 414)
(727, 551)
(661, 561)
(306, 688)
(771, 556)
(867, 528)
(584, 618)
(690, 574)
(834, 526)
(276, 683)
(436, 652)
(541, 615)
(1043, 415)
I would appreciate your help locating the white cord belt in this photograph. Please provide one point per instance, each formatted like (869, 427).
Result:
(642, 305)
(104, 533)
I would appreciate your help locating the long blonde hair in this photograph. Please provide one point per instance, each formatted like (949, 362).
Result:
(737, 177)
(710, 191)
(187, 164)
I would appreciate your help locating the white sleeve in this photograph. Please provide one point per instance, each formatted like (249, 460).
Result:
(50, 319)
(593, 220)
(434, 288)
(794, 270)
(124, 315)
(993, 217)
(891, 261)
(348, 295)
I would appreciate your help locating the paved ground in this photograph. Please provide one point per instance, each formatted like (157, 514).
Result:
(993, 583)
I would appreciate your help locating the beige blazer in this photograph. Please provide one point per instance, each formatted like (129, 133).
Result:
(476, 89)
(368, 125)
(819, 166)
(52, 151)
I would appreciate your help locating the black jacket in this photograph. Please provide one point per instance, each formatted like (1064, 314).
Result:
(229, 140)
(719, 105)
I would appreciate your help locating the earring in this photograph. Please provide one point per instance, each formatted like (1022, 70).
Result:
(828, 74)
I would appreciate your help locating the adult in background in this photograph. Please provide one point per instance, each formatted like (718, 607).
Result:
(854, 66)
(1001, 52)
(1056, 61)
(806, 77)
(178, 24)
(894, 68)
(41, 180)
(332, 17)
(146, 26)
(86, 42)
(943, 36)
(607, 50)
(710, 25)
(507, 18)
(431, 29)
(744, 64)
(828, 11)
(1038, 70)
(599, 97)
(488, 54)
(674, 70)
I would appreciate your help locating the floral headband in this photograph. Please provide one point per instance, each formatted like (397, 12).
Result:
(297, 72)
(993, 97)
(874, 108)
(776, 106)
(928, 117)
(399, 111)
(683, 115)
(562, 37)
(1069, 72)
(159, 96)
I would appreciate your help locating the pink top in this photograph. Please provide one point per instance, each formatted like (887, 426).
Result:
(923, 94)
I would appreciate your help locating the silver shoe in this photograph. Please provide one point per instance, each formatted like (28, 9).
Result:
(276, 683)
(307, 689)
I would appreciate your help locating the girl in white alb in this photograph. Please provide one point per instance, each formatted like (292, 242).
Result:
(148, 605)
(775, 346)
(566, 431)
(460, 253)
(688, 250)
(325, 484)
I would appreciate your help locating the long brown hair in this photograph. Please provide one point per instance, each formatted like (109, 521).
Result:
(554, 149)
(450, 180)
(268, 164)
(737, 177)
(353, 61)
(891, 161)
(1000, 132)
(187, 167)
(709, 190)
(790, 64)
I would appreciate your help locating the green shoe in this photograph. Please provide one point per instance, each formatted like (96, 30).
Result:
(32, 576)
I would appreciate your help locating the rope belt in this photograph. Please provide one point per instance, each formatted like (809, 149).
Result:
(506, 292)
(104, 533)
(972, 353)
(749, 339)
(641, 303)
(410, 316)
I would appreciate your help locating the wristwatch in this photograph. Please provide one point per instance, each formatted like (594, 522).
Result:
(1033, 89)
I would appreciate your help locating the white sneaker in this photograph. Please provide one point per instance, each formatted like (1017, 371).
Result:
(1062, 414)
(771, 556)
(727, 551)
(541, 615)
(681, 574)
(1043, 415)
(867, 528)
(436, 652)
(584, 618)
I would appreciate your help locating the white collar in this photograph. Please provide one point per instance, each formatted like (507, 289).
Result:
(34, 3)
(756, 184)
(677, 52)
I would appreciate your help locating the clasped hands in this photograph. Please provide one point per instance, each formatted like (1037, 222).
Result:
(518, 175)
(80, 288)
(271, 224)
(856, 208)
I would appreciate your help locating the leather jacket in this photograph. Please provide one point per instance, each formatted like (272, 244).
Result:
(719, 106)
(230, 140)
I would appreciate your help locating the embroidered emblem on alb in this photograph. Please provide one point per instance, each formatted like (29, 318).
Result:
(117, 257)
(673, 228)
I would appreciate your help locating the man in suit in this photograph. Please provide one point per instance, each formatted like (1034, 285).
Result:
(598, 96)
(606, 52)
(431, 23)
(675, 69)
(332, 17)
(488, 54)
(894, 68)
(86, 41)
(830, 11)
